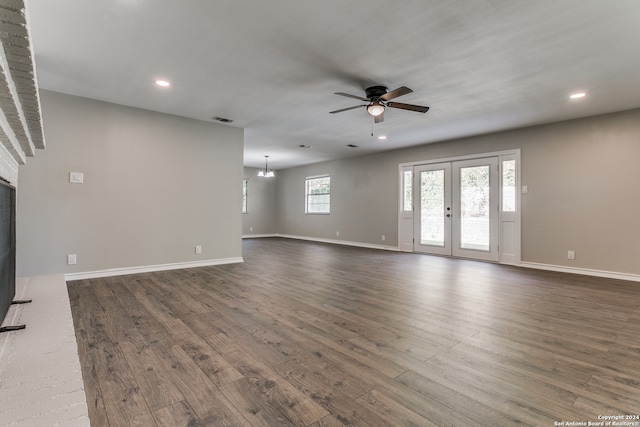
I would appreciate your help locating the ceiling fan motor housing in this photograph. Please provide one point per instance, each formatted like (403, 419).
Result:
(375, 92)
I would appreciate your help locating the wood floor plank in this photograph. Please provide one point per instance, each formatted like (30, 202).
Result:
(331, 393)
(524, 399)
(127, 406)
(318, 335)
(210, 362)
(526, 360)
(427, 404)
(207, 401)
(328, 421)
(134, 343)
(393, 412)
(177, 414)
(333, 376)
(154, 382)
(83, 304)
(275, 393)
(465, 404)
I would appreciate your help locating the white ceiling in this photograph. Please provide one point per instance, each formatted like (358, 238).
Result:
(273, 66)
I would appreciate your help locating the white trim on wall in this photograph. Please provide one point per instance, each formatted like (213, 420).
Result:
(149, 268)
(256, 236)
(581, 271)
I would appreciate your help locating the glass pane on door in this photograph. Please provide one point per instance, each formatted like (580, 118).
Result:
(475, 225)
(432, 200)
(509, 186)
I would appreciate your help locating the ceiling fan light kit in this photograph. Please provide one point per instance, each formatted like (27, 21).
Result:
(378, 98)
(375, 108)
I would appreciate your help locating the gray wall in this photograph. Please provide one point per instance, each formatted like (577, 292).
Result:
(262, 209)
(363, 201)
(582, 178)
(155, 186)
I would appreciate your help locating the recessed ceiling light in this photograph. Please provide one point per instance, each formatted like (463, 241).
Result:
(162, 83)
(382, 137)
(578, 95)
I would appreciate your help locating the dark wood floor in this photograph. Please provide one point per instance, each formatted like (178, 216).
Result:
(308, 334)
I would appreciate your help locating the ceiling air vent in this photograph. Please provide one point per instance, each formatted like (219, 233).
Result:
(222, 119)
(352, 146)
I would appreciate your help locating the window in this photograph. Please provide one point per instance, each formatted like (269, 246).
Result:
(407, 203)
(245, 183)
(318, 195)
(509, 186)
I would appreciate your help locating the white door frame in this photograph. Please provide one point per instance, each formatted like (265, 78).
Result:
(510, 223)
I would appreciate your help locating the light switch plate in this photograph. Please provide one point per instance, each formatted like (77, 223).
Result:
(76, 177)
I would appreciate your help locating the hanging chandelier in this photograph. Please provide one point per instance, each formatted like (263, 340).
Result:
(266, 172)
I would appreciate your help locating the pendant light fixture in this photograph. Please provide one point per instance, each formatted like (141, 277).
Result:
(266, 172)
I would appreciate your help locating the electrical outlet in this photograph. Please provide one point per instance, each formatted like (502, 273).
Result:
(384, 237)
(571, 255)
(250, 228)
(71, 259)
(198, 249)
(337, 234)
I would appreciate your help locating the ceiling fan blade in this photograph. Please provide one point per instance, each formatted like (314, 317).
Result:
(410, 107)
(379, 118)
(346, 109)
(402, 90)
(352, 96)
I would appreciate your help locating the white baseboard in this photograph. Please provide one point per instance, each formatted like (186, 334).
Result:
(583, 271)
(149, 268)
(340, 242)
(255, 236)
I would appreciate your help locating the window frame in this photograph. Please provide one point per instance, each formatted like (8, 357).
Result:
(245, 195)
(407, 190)
(309, 179)
(508, 194)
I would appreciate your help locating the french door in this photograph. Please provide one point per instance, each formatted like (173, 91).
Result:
(457, 208)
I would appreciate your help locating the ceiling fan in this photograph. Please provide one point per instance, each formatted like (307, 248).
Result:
(377, 99)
